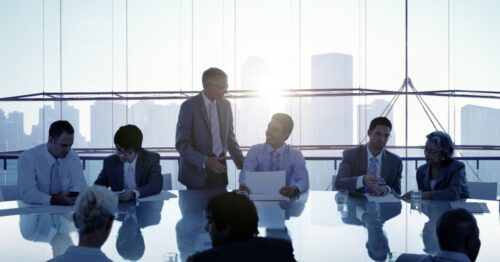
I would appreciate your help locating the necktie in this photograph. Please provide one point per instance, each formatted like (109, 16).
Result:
(275, 160)
(130, 178)
(55, 182)
(215, 129)
(372, 166)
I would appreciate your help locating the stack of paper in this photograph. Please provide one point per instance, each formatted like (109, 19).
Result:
(266, 185)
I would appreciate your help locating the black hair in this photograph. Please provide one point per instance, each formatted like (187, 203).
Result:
(455, 228)
(383, 121)
(235, 211)
(58, 127)
(129, 137)
(444, 144)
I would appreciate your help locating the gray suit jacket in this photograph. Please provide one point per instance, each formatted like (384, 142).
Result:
(451, 183)
(441, 256)
(354, 164)
(193, 139)
(147, 173)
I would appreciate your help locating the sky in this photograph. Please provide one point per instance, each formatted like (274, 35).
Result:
(95, 45)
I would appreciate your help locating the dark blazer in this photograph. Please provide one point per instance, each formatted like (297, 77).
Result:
(147, 173)
(257, 249)
(354, 164)
(451, 183)
(193, 139)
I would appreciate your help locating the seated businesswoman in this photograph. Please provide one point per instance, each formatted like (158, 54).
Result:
(94, 215)
(442, 177)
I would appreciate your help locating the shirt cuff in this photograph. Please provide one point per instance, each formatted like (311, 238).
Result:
(137, 194)
(359, 182)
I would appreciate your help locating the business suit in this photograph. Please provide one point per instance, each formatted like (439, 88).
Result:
(148, 176)
(451, 183)
(354, 164)
(255, 249)
(442, 256)
(194, 143)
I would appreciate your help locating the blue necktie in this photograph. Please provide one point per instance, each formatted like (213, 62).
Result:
(275, 159)
(55, 182)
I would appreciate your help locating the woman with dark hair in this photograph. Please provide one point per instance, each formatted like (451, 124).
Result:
(442, 177)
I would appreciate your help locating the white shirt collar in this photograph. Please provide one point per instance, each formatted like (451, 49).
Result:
(50, 158)
(206, 100)
(280, 149)
(132, 164)
(370, 155)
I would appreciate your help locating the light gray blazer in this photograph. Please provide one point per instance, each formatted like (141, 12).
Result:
(354, 164)
(193, 139)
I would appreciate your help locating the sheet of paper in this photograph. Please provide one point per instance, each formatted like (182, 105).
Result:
(163, 195)
(265, 182)
(389, 198)
(473, 207)
(271, 215)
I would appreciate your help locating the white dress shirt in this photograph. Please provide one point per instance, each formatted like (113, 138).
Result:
(33, 180)
(359, 182)
(129, 176)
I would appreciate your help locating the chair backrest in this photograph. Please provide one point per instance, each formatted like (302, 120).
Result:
(334, 177)
(167, 181)
(8, 192)
(483, 190)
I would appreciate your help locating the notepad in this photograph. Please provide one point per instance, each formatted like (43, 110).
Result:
(265, 185)
(473, 207)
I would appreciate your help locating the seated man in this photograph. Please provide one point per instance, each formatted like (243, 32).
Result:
(371, 168)
(276, 155)
(458, 237)
(133, 170)
(51, 173)
(232, 224)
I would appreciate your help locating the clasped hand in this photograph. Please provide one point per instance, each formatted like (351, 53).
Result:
(376, 185)
(215, 165)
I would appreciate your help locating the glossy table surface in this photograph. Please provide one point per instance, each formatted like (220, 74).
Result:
(320, 228)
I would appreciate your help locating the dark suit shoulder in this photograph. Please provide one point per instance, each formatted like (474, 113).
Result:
(353, 151)
(150, 154)
(392, 155)
(111, 158)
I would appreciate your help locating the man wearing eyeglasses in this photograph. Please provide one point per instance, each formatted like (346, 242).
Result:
(132, 171)
(371, 168)
(205, 134)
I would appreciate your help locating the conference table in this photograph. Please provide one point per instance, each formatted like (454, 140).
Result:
(171, 226)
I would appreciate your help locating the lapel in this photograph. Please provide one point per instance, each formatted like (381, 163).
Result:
(222, 122)
(138, 167)
(119, 173)
(441, 175)
(363, 156)
(385, 167)
(427, 178)
(203, 110)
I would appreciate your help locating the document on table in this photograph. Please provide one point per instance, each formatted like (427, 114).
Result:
(389, 198)
(162, 196)
(266, 185)
(473, 207)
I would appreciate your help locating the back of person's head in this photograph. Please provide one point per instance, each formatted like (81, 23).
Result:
(443, 142)
(59, 127)
(234, 212)
(285, 121)
(210, 75)
(130, 242)
(383, 121)
(457, 231)
(95, 209)
(129, 137)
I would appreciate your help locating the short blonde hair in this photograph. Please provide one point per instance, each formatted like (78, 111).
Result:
(94, 207)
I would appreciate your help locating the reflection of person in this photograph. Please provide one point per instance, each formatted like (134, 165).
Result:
(130, 242)
(371, 168)
(93, 217)
(232, 224)
(458, 236)
(51, 173)
(205, 133)
(132, 169)
(372, 216)
(442, 177)
(276, 155)
(54, 229)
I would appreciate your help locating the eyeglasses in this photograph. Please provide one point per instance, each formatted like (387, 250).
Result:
(431, 152)
(121, 151)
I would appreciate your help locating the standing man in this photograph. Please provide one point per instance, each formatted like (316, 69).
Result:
(205, 133)
(133, 170)
(51, 173)
(371, 168)
(275, 155)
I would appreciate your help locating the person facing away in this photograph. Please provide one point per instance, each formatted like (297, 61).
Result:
(458, 237)
(205, 133)
(232, 224)
(442, 177)
(94, 215)
(51, 173)
(275, 155)
(371, 168)
(133, 170)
